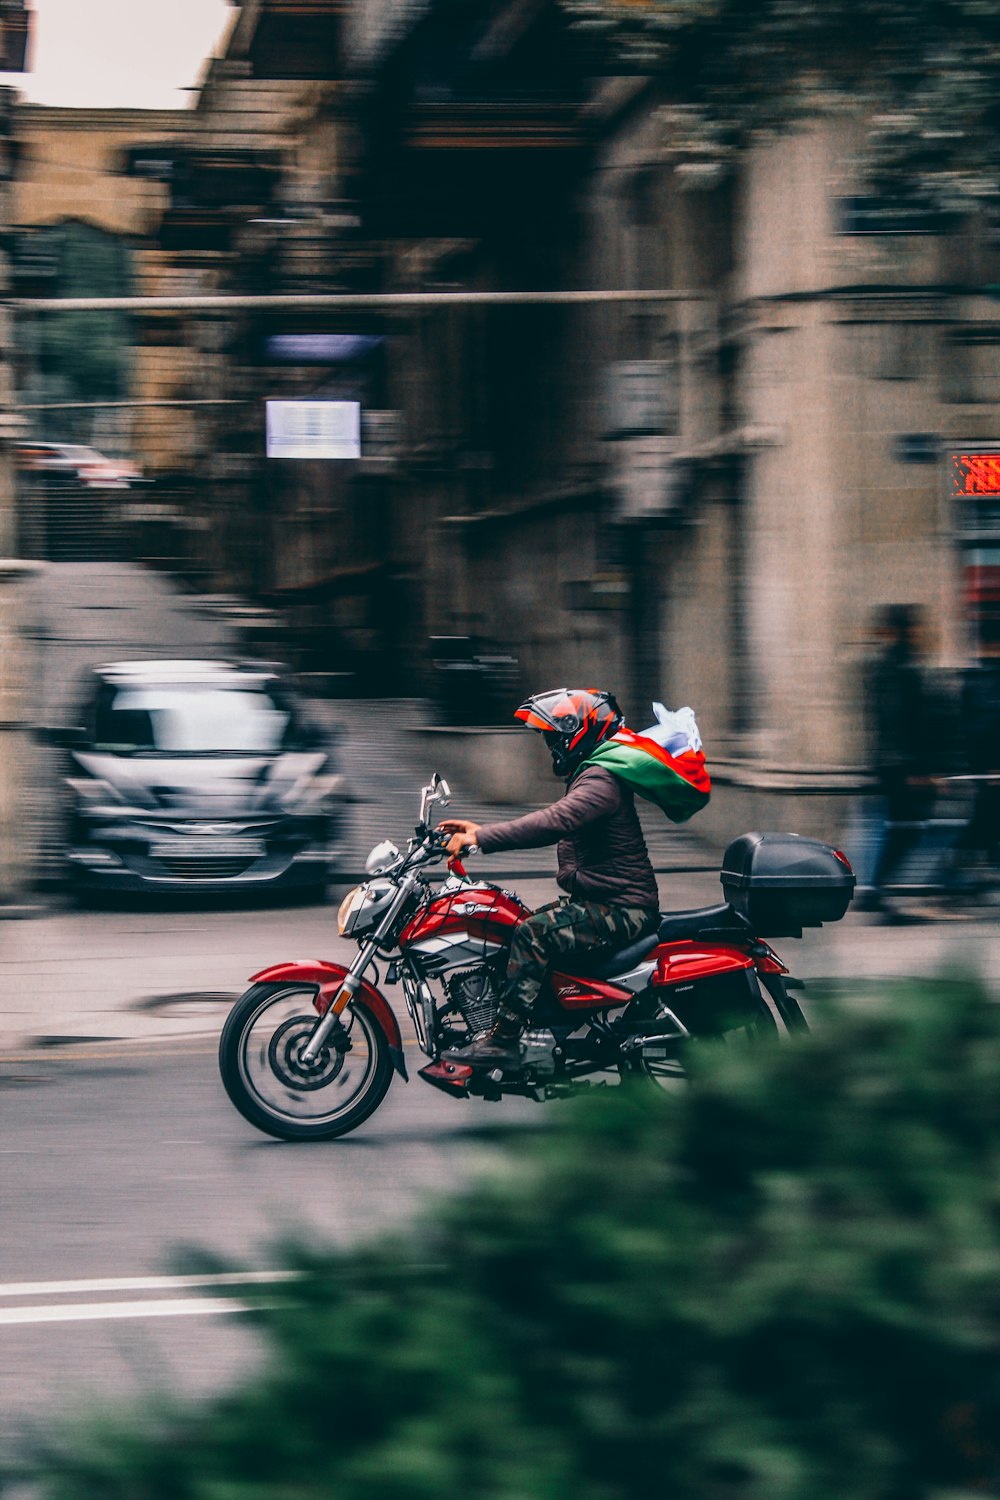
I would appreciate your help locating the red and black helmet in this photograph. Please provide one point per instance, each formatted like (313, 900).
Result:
(572, 722)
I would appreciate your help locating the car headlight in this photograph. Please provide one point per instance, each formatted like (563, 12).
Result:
(91, 792)
(316, 795)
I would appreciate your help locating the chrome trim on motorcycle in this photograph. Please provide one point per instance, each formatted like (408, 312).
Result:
(425, 996)
(538, 1047)
(636, 979)
(663, 1013)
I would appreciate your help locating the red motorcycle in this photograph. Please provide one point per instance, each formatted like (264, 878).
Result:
(309, 1051)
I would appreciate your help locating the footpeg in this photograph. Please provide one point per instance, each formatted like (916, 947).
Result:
(451, 1078)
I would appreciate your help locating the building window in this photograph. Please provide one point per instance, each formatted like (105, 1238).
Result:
(971, 367)
(887, 350)
(873, 213)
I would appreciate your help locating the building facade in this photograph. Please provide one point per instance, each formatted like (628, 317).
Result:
(702, 498)
(17, 676)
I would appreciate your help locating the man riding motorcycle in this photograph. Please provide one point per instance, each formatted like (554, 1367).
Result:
(610, 895)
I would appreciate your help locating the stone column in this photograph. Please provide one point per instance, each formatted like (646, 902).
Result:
(18, 706)
(18, 671)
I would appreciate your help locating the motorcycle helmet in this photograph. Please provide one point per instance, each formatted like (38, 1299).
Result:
(572, 722)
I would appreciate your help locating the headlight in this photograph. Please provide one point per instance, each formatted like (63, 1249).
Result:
(382, 858)
(317, 794)
(363, 907)
(349, 908)
(92, 792)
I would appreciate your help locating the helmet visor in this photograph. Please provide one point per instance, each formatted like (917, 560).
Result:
(560, 710)
(528, 714)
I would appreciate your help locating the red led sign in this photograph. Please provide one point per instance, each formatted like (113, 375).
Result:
(976, 473)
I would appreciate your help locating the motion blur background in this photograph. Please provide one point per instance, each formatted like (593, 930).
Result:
(446, 351)
(702, 496)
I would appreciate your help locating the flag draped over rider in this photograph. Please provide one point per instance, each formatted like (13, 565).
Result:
(676, 780)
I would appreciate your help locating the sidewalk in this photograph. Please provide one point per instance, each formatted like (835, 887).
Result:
(83, 984)
(70, 980)
(75, 982)
(78, 983)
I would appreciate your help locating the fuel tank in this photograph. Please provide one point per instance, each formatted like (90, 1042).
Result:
(463, 925)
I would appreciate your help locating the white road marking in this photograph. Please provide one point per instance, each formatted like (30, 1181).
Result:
(92, 1312)
(196, 1305)
(139, 1284)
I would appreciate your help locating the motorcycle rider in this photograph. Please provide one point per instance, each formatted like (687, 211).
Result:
(610, 896)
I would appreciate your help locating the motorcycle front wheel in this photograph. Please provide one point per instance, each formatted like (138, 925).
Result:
(260, 1059)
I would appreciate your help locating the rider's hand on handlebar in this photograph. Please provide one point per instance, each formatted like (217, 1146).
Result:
(463, 834)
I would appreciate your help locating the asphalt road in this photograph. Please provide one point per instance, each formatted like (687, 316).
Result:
(119, 1151)
(117, 1159)
(119, 1147)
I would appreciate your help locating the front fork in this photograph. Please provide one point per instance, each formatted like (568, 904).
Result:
(330, 1021)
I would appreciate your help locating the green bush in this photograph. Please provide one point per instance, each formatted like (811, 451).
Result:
(782, 1283)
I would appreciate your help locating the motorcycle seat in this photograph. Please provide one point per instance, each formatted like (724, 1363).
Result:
(704, 922)
(602, 965)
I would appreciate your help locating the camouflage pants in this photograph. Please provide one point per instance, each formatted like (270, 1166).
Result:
(555, 932)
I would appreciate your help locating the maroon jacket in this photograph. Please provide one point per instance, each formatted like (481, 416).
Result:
(601, 852)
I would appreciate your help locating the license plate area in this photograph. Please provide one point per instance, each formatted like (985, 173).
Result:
(202, 848)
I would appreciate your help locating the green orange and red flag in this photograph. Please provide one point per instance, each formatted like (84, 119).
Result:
(678, 784)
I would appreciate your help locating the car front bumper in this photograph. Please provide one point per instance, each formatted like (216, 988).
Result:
(124, 860)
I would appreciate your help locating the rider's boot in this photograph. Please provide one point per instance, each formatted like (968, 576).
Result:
(499, 1048)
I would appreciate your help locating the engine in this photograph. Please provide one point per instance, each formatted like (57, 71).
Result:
(473, 993)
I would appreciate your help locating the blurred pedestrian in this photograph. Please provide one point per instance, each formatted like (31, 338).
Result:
(904, 731)
(981, 722)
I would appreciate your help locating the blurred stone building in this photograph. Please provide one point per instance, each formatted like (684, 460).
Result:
(16, 667)
(83, 227)
(702, 500)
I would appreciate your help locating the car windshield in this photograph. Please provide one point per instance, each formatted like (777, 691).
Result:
(186, 719)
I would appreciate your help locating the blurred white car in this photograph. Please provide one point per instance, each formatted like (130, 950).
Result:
(198, 775)
(76, 461)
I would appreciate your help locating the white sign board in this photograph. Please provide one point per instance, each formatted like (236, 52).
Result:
(314, 429)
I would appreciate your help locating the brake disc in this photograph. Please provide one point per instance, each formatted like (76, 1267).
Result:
(284, 1055)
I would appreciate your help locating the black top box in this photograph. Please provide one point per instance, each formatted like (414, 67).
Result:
(781, 882)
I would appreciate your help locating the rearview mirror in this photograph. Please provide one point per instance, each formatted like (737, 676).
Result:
(436, 790)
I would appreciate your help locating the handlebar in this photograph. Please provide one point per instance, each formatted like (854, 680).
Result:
(428, 845)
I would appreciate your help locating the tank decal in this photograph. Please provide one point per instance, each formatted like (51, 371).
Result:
(588, 994)
(457, 939)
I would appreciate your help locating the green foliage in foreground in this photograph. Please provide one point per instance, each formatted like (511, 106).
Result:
(780, 1284)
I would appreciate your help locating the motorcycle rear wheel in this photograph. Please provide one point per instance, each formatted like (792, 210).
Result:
(759, 1028)
(262, 1071)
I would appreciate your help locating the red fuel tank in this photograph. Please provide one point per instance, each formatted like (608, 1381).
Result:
(469, 922)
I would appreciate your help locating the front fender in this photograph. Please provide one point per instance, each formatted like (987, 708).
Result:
(328, 978)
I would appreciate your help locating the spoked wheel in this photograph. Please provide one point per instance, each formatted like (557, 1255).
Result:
(663, 1064)
(266, 1077)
